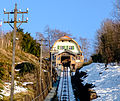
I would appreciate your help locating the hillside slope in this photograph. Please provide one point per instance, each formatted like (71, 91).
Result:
(21, 80)
(6, 56)
(106, 81)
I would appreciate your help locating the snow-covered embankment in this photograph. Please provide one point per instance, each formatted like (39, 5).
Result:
(106, 81)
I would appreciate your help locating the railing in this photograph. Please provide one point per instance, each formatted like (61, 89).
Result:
(37, 97)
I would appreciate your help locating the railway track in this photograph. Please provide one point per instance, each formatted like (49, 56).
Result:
(65, 92)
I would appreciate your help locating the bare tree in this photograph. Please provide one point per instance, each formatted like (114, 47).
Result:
(116, 11)
(109, 41)
(49, 36)
(40, 36)
(53, 35)
(85, 47)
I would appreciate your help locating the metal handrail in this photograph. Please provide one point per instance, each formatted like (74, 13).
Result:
(40, 94)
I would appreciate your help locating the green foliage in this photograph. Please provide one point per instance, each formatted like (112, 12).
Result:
(25, 68)
(30, 45)
(1, 70)
(1, 75)
(97, 58)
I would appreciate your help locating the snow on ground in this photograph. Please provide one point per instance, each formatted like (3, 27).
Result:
(26, 83)
(106, 81)
(17, 89)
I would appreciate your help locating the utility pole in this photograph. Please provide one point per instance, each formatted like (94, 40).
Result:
(41, 44)
(1, 30)
(52, 52)
(2, 37)
(41, 67)
(15, 12)
(51, 69)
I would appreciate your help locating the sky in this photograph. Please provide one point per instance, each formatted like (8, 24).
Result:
(81, 18)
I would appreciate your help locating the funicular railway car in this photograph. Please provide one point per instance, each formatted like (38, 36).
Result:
(67, 53)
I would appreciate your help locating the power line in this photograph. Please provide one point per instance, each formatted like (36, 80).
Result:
(15, 12)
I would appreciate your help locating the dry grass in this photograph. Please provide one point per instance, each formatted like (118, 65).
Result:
(6, 59)
(20, 96)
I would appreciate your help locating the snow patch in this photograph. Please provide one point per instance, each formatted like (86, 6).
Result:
(26, 83)
(17, 89)
(106, 81)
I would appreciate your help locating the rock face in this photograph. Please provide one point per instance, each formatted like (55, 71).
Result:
(83, 92)
(93, 94)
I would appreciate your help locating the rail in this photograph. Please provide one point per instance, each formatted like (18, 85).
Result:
(65, 92)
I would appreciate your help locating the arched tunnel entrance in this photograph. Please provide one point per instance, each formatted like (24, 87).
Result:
(65, 60)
